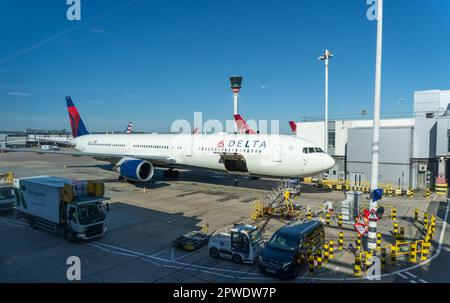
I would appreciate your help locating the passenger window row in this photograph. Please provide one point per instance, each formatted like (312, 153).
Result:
(312, 150)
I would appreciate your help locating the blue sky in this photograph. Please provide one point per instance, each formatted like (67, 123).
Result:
(156, 61)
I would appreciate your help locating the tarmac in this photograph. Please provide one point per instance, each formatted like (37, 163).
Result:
(144, 219)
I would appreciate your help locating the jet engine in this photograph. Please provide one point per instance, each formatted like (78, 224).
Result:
(135, 169)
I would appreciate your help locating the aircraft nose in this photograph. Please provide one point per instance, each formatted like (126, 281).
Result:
(328, 162)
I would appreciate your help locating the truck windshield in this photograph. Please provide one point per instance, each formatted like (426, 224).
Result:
(255, 236)
(6, 193)
(283, 242)
(90, 214)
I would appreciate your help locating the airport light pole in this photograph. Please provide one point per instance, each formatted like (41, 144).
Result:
(325, 57)
(372, 235)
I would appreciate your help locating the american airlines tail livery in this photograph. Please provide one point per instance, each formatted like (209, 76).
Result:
(134, 156)
(129, 129)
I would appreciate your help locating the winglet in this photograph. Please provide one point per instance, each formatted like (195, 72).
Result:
(76, 124)
(243, 127)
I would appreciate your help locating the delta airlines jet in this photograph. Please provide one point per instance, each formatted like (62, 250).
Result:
(134, 156)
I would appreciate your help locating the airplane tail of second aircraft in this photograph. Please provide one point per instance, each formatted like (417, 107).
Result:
(76, 124)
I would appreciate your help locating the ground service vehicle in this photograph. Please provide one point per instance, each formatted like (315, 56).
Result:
(289, 248)
(243, 244)
(70, 207)
(7, 198)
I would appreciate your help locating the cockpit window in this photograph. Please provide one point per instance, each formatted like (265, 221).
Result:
(312, 150)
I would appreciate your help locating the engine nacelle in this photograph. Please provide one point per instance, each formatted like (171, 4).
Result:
(135, 169)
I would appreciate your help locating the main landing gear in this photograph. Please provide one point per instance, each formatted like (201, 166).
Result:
(171, 173)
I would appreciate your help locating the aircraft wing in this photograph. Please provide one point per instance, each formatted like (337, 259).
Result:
(157, 159)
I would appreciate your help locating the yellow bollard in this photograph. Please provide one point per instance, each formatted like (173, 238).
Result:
(393, 254)
(309, 215)
(326, 252)
(311, 264)
(358, 265)
(401, 236)
(331, 250)
(416, 215)
(425, 251)
(425, 220)
(383, 256)
(395, 230)
(358, 243)
(341, 241)
(413, 253)
(368, 259)
(319, 259)
(340, 221)
(394, 214)
(328, 219)
(378, 241)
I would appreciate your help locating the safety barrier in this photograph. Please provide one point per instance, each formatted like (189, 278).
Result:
(416, 215)
(340, 221)
(427, 193)
(328, 216)
(442, 190)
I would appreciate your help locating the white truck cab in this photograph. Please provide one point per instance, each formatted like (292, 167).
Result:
(243, 244)
(7, 199)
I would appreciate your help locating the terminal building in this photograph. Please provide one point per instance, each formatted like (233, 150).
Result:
(414, 152)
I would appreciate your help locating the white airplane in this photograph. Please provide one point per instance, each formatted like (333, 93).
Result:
(134, 156)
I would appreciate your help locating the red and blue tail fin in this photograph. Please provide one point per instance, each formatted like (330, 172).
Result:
(76, 124)
(293, 127)
(242, 126)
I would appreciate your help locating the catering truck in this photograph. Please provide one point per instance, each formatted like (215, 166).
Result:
(7, 199)
(73, 208)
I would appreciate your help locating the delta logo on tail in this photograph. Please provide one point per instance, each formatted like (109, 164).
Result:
(76, 124)
(242, 126)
